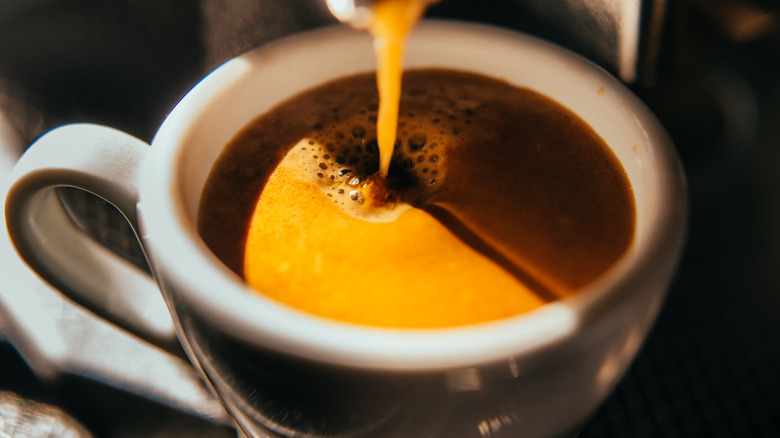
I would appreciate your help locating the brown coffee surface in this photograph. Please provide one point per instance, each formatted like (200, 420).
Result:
(498, 200)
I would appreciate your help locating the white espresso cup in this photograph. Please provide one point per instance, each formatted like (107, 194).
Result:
(283, 372)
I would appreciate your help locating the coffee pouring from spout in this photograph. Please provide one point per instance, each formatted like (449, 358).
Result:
(359, 13)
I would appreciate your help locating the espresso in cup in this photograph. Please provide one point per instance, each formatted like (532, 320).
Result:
(527, 201)
(497, 201)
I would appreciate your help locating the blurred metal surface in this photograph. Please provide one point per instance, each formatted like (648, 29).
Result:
(619, 35)
(20, 417)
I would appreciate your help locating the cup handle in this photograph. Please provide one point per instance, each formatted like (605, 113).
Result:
(106, 163)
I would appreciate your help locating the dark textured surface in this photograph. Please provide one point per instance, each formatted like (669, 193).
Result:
(711, 366)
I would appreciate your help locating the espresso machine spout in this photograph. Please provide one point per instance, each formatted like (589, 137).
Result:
(623, 37)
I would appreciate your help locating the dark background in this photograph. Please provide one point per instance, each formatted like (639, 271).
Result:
(711, 366)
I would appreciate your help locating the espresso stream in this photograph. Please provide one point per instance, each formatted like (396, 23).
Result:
(392, 21)
(497, 201)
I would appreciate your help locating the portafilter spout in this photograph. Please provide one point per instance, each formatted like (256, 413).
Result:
(359, 13)
(356, 13)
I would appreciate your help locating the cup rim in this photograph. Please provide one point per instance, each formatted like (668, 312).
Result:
(191, 272)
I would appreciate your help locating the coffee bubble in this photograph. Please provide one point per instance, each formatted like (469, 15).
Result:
(358, 131)
(416, 142)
